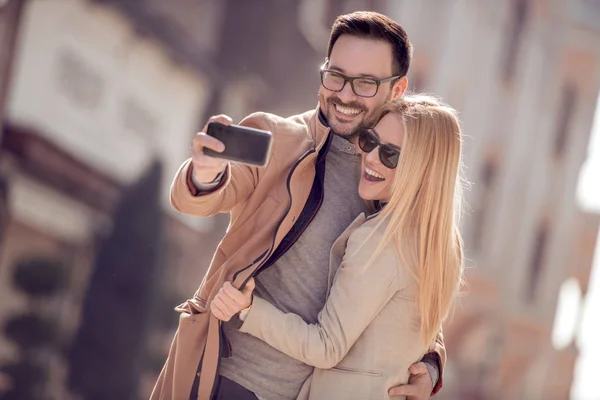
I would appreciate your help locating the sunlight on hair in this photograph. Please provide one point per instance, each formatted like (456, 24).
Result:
(423, 213)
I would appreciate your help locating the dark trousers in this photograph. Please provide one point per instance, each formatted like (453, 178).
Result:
(229, 390)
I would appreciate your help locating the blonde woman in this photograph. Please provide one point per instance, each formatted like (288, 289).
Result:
(393, 275)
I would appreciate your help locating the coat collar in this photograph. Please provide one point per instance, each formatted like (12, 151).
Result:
(320, 128)
(339, 247)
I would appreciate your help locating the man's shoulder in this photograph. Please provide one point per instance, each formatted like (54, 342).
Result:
(278, 124)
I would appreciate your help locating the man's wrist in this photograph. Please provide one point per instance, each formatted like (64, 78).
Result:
(242, 314)
(208, 186)
(197, 188)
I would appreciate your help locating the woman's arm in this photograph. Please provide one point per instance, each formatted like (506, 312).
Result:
(360, 291)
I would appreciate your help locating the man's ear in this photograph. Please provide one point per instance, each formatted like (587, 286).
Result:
(399, 88)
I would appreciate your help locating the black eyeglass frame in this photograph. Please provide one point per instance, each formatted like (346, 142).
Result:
(385, 160)
(351, 79)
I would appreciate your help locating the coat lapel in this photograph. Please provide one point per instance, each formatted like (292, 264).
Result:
(338, 249)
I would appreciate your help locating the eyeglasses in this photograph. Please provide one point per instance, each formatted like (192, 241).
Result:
(361, 86)
(389, 155)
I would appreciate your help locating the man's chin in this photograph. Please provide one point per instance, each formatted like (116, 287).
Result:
(344, 133)
(344, 129)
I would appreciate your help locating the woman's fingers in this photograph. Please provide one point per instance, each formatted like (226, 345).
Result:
(229, 301)
(225, 306)
(217, 312)
(240, 299)
(228, 307)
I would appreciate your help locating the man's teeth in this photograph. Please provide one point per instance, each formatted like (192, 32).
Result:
(347, 110)
(373, 173)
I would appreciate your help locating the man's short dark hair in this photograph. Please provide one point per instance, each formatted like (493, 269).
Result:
(372, 25)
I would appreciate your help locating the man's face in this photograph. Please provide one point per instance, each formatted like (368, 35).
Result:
(353, 56)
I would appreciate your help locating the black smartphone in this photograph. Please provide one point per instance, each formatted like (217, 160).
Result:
(242, 144)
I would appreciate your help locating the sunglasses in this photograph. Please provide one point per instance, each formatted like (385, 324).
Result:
(389, 155)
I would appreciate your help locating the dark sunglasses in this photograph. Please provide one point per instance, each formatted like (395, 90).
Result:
(389, 155)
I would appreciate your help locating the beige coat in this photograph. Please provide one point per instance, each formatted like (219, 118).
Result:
(264, 204)
(367, 335)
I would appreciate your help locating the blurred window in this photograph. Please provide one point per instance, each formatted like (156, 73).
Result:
(489, 174)
(537, 260)
(568, 103)
(517, 23)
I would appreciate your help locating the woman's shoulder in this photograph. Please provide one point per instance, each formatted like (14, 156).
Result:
(371, 237)
(376, 225)
(367, 238)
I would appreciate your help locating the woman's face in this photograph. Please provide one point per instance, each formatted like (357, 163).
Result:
(376, 179)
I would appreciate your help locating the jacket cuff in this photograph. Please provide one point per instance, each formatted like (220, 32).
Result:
(206, 188)
(253, 320)
(433, 362)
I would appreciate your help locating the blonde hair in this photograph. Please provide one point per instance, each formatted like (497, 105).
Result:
(424, 209)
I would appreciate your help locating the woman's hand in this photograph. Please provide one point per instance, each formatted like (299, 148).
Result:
(229, 301)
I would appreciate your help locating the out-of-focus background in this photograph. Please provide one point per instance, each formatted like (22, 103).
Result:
(99, 101)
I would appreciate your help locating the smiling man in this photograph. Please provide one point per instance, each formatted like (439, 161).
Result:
(285, 218)
(352, 92)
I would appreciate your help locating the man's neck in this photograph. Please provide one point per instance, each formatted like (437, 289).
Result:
(324, 121)
(342, 143)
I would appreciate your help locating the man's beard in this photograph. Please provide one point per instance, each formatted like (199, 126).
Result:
(329, 113)
(369, 120)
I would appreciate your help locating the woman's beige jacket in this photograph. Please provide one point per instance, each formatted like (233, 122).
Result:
(367, 334)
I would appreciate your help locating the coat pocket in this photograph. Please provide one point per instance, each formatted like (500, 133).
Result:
(347, 370)
(345, 383)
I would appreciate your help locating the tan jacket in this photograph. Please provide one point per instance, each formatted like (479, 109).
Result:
(264, 204)
(367, 334)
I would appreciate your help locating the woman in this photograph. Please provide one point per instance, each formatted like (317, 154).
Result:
(399, 270)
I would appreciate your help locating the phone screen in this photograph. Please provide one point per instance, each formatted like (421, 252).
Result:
(242, 144)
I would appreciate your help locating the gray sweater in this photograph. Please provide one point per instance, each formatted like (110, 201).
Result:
(297, 282)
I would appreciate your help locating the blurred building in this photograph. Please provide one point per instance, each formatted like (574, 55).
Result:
(93, 98)
(98, 89)
(10, 13)
(525, 75)
(95, 90)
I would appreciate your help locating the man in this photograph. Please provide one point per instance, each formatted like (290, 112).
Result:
(284, 219)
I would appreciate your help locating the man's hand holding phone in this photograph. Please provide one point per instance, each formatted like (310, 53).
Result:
(220, 142)
(207, 168)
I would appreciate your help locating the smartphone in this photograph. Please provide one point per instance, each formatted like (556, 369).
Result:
(242, 144)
